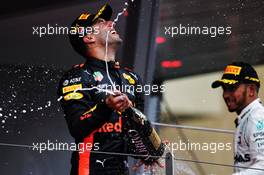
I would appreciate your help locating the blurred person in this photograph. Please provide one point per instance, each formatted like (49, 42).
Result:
(241, 85)
(96, 118)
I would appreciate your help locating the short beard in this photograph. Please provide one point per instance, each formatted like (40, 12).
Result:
(242, 102)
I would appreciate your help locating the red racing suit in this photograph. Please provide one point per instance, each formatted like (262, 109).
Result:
(95, 127)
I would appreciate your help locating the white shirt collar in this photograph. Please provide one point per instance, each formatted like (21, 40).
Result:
(248, 108)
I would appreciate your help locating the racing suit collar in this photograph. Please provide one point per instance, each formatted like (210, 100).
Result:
(101, 64)
(246, 110)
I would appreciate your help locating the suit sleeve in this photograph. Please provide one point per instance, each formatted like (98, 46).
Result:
(255, 139)
(83, 113)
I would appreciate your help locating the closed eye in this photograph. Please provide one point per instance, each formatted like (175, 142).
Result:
(100, 20)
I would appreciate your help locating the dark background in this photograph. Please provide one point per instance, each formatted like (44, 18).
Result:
(30, 66)
(202, 53)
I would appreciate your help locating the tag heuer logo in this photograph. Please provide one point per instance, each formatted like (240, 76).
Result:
(66, 82)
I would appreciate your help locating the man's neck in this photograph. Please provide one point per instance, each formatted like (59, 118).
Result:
(246, 104)
(99, 53)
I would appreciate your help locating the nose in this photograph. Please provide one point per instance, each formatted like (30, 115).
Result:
(226, 94)
(110, 24)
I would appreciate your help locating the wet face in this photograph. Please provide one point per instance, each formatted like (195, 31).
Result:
(235, 97)
(103, 27)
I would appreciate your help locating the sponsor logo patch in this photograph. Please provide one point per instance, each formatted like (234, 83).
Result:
(235, 70)
(71, 88)
(84, 16)
(258, 134)
(242, 158)
(98, 76)
(258, 139)
(100, 12)
(72, 81)
(129, 78)
(85, 116)
(111, 127)
(252, 79)
(65, 83)
(260, 125)
(90, 110)
(75, 80)
(260, 144)
(226, 81)
(73, 96)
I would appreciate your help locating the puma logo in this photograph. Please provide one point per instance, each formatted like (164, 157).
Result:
(101, 162)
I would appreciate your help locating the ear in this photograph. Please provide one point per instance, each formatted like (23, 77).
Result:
(88, 39)
(252, 90)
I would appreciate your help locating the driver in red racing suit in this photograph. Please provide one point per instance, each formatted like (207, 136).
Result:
(95, 118)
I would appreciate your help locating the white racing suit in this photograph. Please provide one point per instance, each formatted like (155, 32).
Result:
(249, 140)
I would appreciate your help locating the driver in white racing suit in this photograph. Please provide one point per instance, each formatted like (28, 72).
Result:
(240, 85)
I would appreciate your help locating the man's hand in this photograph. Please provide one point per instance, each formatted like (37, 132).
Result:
(153, 168)
(157, 164)
(118, 102)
